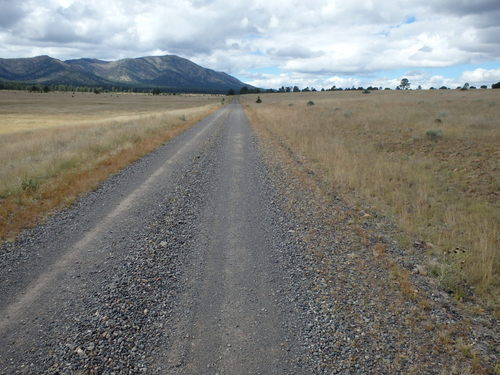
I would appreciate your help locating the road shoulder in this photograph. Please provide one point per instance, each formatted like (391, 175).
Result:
(374, 313)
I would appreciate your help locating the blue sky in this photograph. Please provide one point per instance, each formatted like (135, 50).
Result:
(318, 43)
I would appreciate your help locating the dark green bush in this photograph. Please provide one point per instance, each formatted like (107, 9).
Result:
(434, 134)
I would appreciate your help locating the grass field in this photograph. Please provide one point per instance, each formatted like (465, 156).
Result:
(429, 159)
(55, 146)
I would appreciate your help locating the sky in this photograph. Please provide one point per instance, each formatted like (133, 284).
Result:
(270, 43)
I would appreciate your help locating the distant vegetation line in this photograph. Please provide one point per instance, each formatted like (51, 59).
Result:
(404, 85)
(36, 87)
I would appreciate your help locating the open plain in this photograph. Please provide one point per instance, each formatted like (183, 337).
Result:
(234, 248)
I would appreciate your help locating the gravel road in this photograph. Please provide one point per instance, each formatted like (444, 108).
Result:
(221, 253)
(180, 264)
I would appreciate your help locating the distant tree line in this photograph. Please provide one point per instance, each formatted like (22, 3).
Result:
(44, 88)
(404, 85)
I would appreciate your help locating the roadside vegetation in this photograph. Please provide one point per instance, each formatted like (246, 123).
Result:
(56, 146)
(428, 159)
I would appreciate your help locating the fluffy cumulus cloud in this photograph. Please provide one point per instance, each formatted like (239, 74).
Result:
(318, 42)
(481, 76)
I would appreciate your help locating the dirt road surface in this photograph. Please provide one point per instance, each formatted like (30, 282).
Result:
(173, 266)
(222, 253)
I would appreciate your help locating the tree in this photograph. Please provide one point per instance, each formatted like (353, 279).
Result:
(405, 84)
(296, 89)
(495, 85)
(259, 100)
(46, 89)
(244, 90)
(466, 86)
(306, 89)
(230, 92)
(156, 91)
(484, 87)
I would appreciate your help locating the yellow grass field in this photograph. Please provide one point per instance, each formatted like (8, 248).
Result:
(20, 110)
(429, 159)
(55, 146)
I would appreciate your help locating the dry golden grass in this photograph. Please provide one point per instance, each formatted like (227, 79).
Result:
(428, 158)
(21, 110)
(62, 156)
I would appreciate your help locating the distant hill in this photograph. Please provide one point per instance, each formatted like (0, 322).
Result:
(170, 71)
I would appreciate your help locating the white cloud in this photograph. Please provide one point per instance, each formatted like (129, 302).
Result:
(317, 40)
(481, 76)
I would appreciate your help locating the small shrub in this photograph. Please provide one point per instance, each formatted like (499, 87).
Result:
(366, 91)
(310, 102)
(5, 194)
(259, 100)
(348, 114)
(434, 134)
(30, 184)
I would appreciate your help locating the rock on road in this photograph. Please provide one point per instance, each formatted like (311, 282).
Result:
(176, 265)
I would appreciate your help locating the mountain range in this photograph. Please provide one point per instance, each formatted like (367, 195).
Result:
(169, 71)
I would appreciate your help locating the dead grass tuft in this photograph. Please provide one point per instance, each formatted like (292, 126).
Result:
(378, 250)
